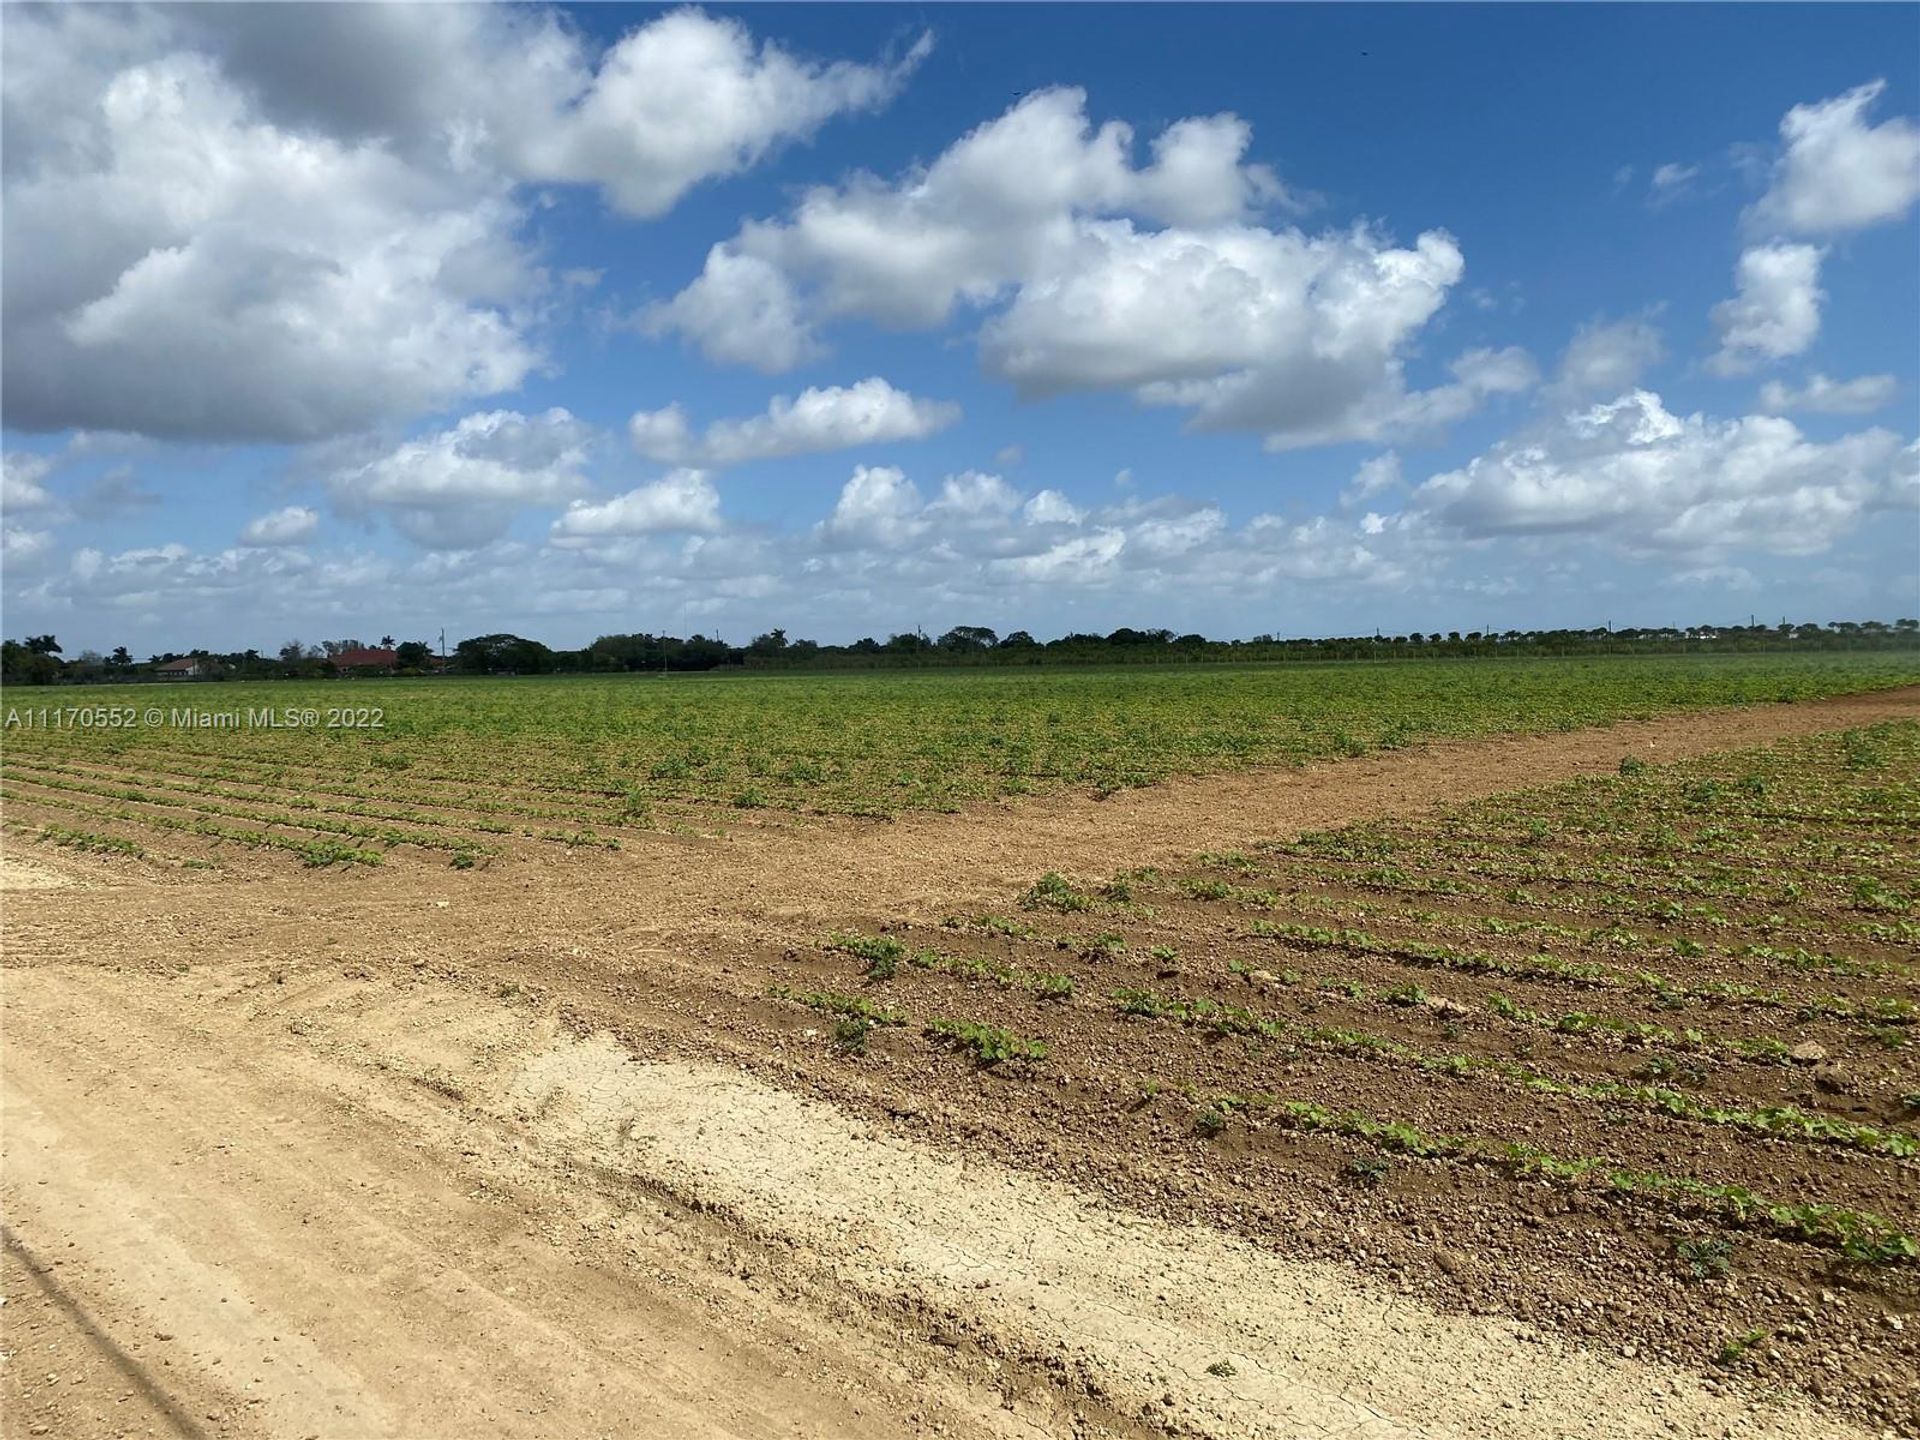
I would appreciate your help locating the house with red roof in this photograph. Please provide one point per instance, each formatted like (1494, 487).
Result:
(365, 660)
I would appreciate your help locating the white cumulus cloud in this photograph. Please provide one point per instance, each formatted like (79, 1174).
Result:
(178, 265)
(20, 477)
(1050, 507)
(1822, 396)
(233, 224)
(683, 500)
(22, 549)
(689, 97)
(461, 487)
(287, 526)
(870, 412)
(1776, 310)
(1838, 173)
(878, 506)
(684, 98)
(1098, 272)
(1375, 477)
(1631, 472)
(1082, 560)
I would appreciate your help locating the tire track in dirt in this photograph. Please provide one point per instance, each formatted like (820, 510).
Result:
(395, 1306)
(309, 1245)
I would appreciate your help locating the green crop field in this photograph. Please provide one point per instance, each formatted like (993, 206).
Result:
(455, 764)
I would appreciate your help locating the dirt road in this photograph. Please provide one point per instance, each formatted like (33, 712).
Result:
(330, 1155)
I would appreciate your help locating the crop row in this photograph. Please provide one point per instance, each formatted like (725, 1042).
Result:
(872, 744)
(314, 852)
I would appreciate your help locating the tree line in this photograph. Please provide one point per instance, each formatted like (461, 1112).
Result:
(39, 660)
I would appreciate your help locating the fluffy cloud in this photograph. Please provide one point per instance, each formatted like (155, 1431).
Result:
(981, 535)
(1633, 473)
(690, 97)
(870, 412)
(1860, 396)
(974, 497)
(741, 311)
(1223, 319)
(287, 526)
(1101, 273)
(879, 506)
(156, 576)
(1050, 507)
(683, 500)
(1607, 358)
(1082, 560)
(1776, 312)
(20, 477)
(1375, 478)
(229, 225)
(1381, 415)
(461, 487)
(22, 549)
(1252, 330)
(685, 98)
(179, 266)
(1836, 172)
(997, 206)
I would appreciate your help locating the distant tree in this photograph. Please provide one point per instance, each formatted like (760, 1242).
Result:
(412, 655)
(697, 652)
(120, 656)
(1126, 636)
(23, 665)
(1019, 640)
(332, 648)
(962, 638)
(293, 652)
(502, 654)
(386, 642)
(43, 645)
(771, 643)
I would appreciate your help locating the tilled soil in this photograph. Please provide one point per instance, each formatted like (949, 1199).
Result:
(275, 989)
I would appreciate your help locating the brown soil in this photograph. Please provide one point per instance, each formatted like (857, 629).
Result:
(346, 1109)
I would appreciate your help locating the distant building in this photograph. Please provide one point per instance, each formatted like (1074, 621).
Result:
(366, 661)
(187, 667)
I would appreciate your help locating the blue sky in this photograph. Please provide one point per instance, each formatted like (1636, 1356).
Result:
(360, 320)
